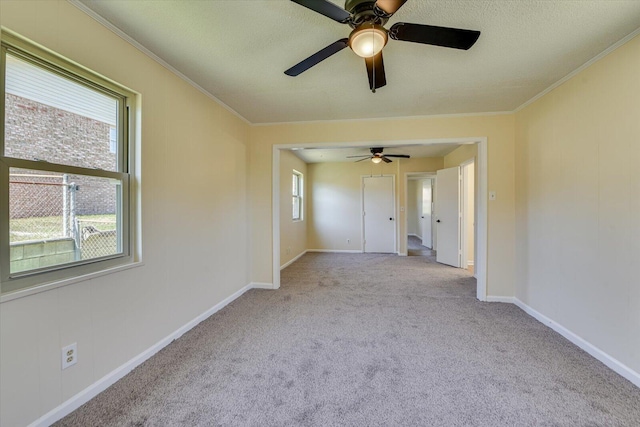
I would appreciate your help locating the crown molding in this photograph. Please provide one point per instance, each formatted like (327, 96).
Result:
(380, 119)
(578, 70)
(88, 11)
(117, 31)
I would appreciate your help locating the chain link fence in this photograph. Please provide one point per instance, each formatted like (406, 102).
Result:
(98, 237)
(46, 207)
(39, 207)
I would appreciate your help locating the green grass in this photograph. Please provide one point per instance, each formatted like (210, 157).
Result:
(50, 227)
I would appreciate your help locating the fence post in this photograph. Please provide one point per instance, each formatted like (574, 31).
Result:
(65, 205)
(75, 231)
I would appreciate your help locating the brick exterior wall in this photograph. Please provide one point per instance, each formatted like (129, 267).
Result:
(35, 196)
(35, 131)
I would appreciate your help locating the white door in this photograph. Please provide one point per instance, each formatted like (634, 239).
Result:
(379, 214)
(448, 216)
(425, 214)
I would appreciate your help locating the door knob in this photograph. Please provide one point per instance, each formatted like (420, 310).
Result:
(438, 221)
(422, 217)
(390, 219)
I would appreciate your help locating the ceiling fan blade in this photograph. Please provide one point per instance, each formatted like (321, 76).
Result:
(384, 159)
(353, 157)
(389, 7)
(317, 57)
(326, 8)
(456, 38)
(375, 70)
(366, 158)
(401, 156)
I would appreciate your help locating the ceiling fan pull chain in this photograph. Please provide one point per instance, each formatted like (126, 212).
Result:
(373, 89)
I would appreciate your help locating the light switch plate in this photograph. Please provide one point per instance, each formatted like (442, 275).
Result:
(492, 195)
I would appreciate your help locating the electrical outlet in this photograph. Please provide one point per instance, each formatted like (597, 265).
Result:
(69, 355)
(492, 195)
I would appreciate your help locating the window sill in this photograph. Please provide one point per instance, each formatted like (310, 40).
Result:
(9, 296)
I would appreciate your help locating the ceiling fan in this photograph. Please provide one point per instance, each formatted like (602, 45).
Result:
(367, 18)
(377, 156)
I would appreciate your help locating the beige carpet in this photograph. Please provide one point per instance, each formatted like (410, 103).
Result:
(366, 340)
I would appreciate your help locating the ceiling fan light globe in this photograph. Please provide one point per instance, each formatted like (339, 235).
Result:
(368, 40)
(376, 159)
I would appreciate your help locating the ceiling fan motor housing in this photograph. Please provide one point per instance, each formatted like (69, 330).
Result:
(364, 11)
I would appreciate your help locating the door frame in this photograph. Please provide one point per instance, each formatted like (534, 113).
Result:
(481, 204)
(395, 210)
(463, 210)
(426, 175)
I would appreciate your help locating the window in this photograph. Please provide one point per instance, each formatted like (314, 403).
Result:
(64, 169)
(113, 139)
(297, 196)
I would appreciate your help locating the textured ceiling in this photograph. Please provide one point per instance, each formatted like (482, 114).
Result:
(238, 50)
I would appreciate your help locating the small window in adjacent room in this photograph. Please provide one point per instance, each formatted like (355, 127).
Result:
(64, 169)
(297, 196)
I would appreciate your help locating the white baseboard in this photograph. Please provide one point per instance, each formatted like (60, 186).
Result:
(414, 235)
(261, 285)
(496, 298)
(288, 263)
(102, 384)
(336, 251)
(402, 254)
(105, 382)
(594, 351)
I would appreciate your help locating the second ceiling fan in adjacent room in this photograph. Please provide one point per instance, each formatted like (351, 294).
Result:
(377, 156)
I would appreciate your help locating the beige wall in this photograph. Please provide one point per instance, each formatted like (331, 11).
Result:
(461, 155)
(498, 129)
(293, 234)
(578, 204)
(194, 212)
(335, 196)
(335, 205)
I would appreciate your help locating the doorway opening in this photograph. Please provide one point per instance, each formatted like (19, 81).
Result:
(455, 216)
(480, 263)
(419, 201)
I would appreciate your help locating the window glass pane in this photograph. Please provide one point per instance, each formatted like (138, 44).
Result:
(294, 190)
(59, 218)
(51, 118)
(296, 208)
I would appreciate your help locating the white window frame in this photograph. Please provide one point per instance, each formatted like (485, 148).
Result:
(10, 283)
(298, 197)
